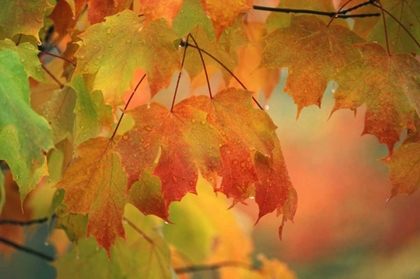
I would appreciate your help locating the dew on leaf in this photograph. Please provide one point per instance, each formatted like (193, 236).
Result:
(108, 31)
(148, 128)
(174, 179)
(235, 162)
(203, 122)
(193, 121)
(125, 137)
(128, 41)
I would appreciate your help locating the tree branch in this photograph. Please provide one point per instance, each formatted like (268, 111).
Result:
(25, 223)
(26, 249)
(198, 268)
(342, 14)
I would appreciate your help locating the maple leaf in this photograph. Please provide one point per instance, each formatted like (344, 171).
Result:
(21, 133)
(187, 143)
(399, 41)
(58, 110)
(245, 131)
(223, 17)
(121, 44)
(274, 186)
(388, 85)
(26, 19)
(28, 55)
(155, 11)
(140, 256)
(95, 184)
(91, 112)
(404, 164)
(305, 46)
(192, 14)
(99, 9)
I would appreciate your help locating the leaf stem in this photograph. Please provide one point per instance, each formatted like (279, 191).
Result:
(137, 229)
(204, 66)
(338, 12)
(26, 249)
(58, 56)
(179, 76)
(126, 105)
(52, 76)
(402, 25)
(385, 29)
(229, 71)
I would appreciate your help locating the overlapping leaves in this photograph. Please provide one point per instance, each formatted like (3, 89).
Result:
(220, 137)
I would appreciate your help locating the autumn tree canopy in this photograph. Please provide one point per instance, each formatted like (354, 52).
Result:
(78, 115)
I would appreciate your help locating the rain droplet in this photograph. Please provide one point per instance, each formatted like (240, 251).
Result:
(235, 162)
(193, 121)
(108, 31)
(203, 122)
(125, 137)
(174, 179)
(128, 41)
(166, 223)
(46, 243)
(252, 197)
(148, 128)
(86, 68)
(266, 107)
(77, 256)
(243, 164)
(81, 57)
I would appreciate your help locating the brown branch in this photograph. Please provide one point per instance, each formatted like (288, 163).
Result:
(26, 249)
(198, 268)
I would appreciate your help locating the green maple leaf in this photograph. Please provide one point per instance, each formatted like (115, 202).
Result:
(388, 85)
(305, 47)
(25, 18)
(28, 56)
(408, 14)
(114, 49)
(24, 135)
(143, 255)
(90, 110)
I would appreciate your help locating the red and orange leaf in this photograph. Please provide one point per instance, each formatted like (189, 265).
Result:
(99, 9)
(388, 85)
(114, 49)
(224, 16)
(63, 17)
(186, 141)
(22, 17)
(305, 47)
(95, 185)
(154, 11)
(245, 130)
(273, 186)
(404, 164)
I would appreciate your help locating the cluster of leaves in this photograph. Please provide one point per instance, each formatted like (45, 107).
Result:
(67, 117)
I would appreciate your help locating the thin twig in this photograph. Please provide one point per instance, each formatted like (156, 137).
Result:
(126, 106)
(385, 29)
(179, 76)
(303, 11)
(52, 76)
(26, 223)
(227, 69)
(58, 56)
(204, 66)
(197, 268)
(137, 229)
(26, 249)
